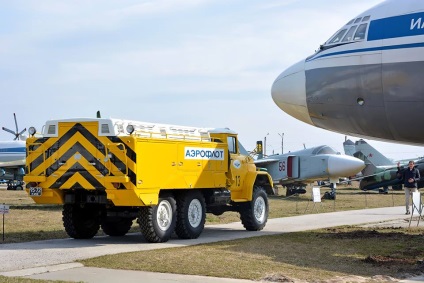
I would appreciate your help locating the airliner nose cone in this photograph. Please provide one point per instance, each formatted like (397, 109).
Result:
(289, 92)
(344, 165)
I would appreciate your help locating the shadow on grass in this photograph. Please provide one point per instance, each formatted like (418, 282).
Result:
(133, 237)
(292, 198)
(29, 236)
(48, 207)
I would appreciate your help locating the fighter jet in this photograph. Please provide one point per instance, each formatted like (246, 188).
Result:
(379, 172)
(366, 80)
(294, 170)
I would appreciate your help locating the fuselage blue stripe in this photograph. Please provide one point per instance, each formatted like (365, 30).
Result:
(13, 150)
(380, 48)
(398, 26)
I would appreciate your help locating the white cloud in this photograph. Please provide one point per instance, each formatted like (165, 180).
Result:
(243, 47)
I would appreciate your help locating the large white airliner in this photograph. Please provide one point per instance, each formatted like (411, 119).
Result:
(12, 158)
(367, 80)
(12, 153)
(12, 163)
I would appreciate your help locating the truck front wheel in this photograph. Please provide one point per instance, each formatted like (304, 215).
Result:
(81, 222)
(157, 223)
(254, 214)
(191, 215)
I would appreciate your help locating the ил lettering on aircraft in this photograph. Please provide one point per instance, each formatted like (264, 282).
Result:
(416, 24)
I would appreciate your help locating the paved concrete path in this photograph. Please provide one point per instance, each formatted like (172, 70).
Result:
(55, 259)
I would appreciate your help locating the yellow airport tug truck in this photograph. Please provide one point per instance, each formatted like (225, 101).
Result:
(109, 172)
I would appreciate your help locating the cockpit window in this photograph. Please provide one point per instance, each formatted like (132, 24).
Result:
(350, 22)
(349, 34)
(338, 36)
(324, 149)
(360, 32)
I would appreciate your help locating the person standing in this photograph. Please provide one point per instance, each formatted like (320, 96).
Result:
(410, 177)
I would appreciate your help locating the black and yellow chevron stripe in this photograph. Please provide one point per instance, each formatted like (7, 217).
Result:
(79, 158)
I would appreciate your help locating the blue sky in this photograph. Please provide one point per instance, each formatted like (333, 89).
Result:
(196, 63)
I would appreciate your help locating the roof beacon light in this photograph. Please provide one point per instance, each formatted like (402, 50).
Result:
(130, 129)
(32, 131)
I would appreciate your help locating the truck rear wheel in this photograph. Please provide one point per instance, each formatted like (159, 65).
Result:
(116, 227)
(157, 223)
(254, 214)
(81, 222)
(191, 215)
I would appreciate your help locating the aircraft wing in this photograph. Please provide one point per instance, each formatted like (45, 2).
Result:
(12, 163)
(265, 161)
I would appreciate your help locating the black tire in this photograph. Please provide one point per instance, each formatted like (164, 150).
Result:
(81, 222)
(254, 214)
(117, 227)
(290, 191)
(191, 215)
(19, 188)
(157, 223)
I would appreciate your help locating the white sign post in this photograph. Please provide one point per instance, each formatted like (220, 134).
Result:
(316, 194)
(416, 203)
(416, 207)
(316, 198)
(4, 209)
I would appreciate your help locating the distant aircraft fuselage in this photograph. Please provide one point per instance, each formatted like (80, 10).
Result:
(367, 80)
(12, 153)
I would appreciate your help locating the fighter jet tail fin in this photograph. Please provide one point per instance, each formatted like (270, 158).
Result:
(349, 147)
(362, 150)
(373, 155)
(370, 168)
